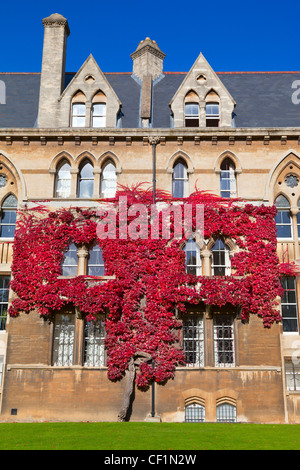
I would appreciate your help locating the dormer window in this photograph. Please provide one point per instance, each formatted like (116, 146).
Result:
(212, 114)
(78, 115)
(98, 115)
(191, 115)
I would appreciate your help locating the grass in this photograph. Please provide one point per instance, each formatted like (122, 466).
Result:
(148, 436)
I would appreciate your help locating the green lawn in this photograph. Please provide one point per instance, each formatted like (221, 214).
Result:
(148, 436)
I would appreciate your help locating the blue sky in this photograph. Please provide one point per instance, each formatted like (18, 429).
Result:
(232, 35)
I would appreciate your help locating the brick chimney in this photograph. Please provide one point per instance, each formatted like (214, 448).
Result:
(56, 31)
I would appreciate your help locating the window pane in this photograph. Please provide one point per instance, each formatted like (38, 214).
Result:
(289, 309)
(212, 109)
(78, 109)
(224, 341)
(70, 261)
(193, 340)
(63, 182)
(226, 413)
(86, 188)
(63, 343)
(86, 181)
(109, 181)
(4, 292)
(94, 343)
(95, 262)
(192, 109)
(178, 188)
(194, 413)
(180, 170)
(99, 109)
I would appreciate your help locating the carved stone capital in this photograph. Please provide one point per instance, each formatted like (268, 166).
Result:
(153, 140)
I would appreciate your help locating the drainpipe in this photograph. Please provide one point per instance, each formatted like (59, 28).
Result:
(154, 141)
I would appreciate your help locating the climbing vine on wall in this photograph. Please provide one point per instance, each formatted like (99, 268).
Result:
(147, 283)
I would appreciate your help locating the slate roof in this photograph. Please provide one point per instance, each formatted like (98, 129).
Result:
(264, 99)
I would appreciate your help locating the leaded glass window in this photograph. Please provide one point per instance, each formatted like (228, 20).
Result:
(193, 340)
(8, 216)
(94, 353)
(289, 310)
(63, 343)
(224, 341)
(194, 413)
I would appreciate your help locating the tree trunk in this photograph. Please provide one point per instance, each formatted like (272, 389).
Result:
(134, 362)
(130, 376)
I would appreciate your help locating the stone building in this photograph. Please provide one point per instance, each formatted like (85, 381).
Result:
(69, 138)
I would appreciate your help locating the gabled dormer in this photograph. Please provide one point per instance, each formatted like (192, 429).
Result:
(89, 100)
(202, 100)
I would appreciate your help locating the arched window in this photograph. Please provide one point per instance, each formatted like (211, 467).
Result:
(86, 180)
(98, 114)
(70, 261)
(63, 180)
(8, 216)
(95, 264)
(227, 178)
(226, 413)
(194, 413)
(212, 114)
(220, 259)
(283, 217)
(108, 180)
(180, 179)
(192, 258)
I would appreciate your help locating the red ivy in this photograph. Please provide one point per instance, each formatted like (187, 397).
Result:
(149, 281)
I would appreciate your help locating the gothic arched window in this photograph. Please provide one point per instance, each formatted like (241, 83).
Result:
(283, 218)
(221, 265)
(108, 180)
(86, 180)
(180, 179)
(63, 180)
(8, 216)
(227, 178)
